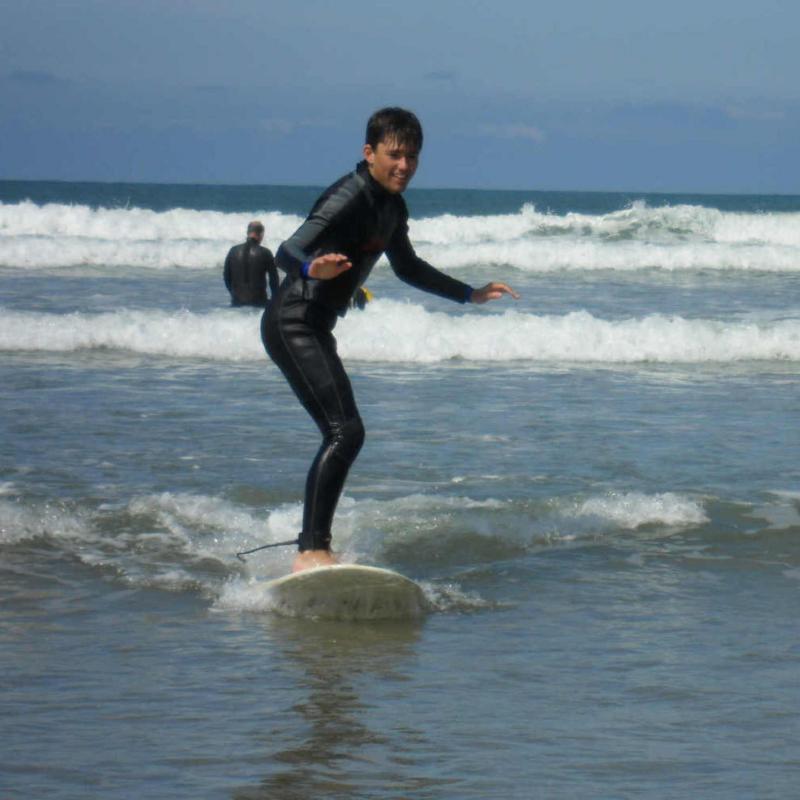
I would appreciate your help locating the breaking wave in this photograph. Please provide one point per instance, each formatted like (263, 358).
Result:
(681, 237)
(392, 331)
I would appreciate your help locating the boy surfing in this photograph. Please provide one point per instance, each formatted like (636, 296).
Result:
(326, 261)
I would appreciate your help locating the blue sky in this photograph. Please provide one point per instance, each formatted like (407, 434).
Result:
(619, 95)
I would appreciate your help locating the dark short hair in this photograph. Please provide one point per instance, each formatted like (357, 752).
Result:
(394, 123)
(255, 227)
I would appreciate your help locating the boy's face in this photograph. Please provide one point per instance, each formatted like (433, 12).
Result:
(391, 164)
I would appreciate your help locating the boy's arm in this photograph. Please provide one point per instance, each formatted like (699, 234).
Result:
(411, 269)
(297, 252)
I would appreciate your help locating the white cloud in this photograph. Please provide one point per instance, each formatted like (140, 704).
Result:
(529, 132)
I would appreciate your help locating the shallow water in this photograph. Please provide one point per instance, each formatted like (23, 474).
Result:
(597, 490)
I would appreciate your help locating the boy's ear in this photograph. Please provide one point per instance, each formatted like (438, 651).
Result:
(369, 153)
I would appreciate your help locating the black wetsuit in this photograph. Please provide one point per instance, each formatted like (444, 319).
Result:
(246, 269)
(357, 217)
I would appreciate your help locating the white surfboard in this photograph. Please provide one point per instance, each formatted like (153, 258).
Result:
(347, 591)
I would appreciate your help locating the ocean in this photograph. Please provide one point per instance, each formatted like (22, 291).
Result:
(597, 486)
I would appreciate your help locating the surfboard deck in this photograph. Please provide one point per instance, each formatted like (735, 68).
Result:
(347, 592)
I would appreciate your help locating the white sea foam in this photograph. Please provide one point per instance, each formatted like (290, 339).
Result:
(20, 522)
(215, 527)
(154, 525)
(681, 237)
(59, 235)
(562, 255)
(187, 542)
(391, 331)
(630, 510)
(638, 221)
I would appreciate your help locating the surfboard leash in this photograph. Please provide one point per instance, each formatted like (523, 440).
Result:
(243, 553)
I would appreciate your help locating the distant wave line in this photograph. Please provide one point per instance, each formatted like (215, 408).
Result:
(682, 237)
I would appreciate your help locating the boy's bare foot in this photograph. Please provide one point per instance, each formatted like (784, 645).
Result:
(314, 558)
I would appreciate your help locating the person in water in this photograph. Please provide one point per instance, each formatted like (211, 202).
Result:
(326, 261)
(247, 267)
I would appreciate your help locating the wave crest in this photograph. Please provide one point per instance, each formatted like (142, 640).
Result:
(391, 331)
(638, 237)
(398, 332)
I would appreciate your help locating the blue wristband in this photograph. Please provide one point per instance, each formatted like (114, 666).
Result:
(468, 298)
(304, 268)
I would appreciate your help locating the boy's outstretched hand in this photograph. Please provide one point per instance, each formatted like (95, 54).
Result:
(492, 291)
(328, 266)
